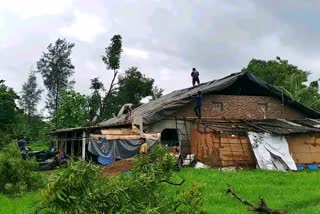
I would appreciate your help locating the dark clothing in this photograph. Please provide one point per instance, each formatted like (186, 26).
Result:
(22, 143)
(195, 74)
(195, 80)
(197, 109)
(199, 100)
(195, 77)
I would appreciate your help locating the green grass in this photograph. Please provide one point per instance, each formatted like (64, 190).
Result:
(20, 205)
(294, 192)
(297, 192)
(38, 146)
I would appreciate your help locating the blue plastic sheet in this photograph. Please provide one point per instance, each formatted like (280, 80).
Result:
(105, 161)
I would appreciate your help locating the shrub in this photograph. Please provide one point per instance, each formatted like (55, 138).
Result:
(81, 189)
(69, 190)
(17, 176)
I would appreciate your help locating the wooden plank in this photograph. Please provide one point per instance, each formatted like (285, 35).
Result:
(124, 131)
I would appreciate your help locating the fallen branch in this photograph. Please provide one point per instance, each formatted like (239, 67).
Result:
(168, 182)
(262, 208)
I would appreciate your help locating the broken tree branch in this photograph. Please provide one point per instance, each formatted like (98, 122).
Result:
(168, 182)
(262, 208)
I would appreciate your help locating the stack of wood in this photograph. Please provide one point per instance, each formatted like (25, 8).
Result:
(124, 134)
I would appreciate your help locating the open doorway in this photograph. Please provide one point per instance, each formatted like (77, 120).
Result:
(169, 137)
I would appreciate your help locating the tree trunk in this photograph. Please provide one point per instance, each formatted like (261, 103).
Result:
(115, 73)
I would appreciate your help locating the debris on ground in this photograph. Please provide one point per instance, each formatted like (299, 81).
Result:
(262, 208)
(188, 160)
(231, 168)
(118, 167)
(200, 165)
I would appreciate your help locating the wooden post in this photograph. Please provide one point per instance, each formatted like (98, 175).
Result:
(141, 126)
(72, 148)
(84, 144)
(56, 142)
(65, 146)
(72, 143)
(65, 143)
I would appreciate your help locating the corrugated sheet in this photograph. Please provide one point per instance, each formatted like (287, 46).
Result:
(282, 127)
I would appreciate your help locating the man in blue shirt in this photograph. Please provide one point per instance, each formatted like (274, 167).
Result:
(22, 143)
(197, 109)
(195, 77)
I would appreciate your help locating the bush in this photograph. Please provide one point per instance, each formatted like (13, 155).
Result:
(17, 176)
(81, 189)
(70, 189)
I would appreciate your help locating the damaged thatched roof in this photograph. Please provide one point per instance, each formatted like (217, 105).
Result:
(243, 83)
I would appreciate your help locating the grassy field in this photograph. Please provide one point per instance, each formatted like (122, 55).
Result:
(25, 204)
(293, 192)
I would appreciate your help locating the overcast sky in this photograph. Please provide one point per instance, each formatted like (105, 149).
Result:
(164, 39)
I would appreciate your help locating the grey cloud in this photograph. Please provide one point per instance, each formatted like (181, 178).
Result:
(217, 37)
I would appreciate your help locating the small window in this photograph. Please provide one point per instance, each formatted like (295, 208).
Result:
(262, 107)
(217, 106)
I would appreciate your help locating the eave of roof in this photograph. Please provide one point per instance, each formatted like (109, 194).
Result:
(275, 126)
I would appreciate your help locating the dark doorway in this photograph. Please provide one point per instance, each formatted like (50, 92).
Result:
(169, 137)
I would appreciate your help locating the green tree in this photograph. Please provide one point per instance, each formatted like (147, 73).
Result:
(288, 78)
(8, 109)
(95, 99)
(30, 95)
(80, 188)
(112, 62)
(56, 67)
(18, 176)
(157, 92)
(275, 72)
(35, 128)
(72, 110)
(133, 86)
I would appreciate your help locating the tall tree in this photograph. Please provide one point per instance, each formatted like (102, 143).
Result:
(30, 95)
(112, 61)
(56, 67)
(8, 110)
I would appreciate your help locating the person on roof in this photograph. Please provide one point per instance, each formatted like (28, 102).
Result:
(195, 77)
(197, 109)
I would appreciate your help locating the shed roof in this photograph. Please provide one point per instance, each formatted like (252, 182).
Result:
(275, 126)
(243, 83)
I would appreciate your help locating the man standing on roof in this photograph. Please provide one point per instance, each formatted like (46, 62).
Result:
(197, 109)
(195, 77)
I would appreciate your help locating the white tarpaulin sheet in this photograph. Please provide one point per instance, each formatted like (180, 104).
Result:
(271, 151)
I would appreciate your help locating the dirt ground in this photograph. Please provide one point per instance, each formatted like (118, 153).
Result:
(118, 167)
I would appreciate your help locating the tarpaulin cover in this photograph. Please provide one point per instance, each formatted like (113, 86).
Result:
(116, 149)
(271, 151)
(168, 104)
(105, 161)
